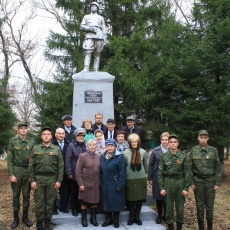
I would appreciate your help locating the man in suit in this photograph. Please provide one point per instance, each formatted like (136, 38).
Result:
(98, 123)
(111, 131)
(133, 128)
(64, 190)
(68, 127)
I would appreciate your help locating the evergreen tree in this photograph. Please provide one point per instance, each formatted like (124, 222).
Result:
(7, 119)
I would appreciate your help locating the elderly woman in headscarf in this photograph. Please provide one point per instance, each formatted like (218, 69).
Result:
(88, 179)
(100, 142)
(112, 168)
(136, 173)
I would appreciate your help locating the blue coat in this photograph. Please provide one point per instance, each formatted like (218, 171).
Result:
(113, 182)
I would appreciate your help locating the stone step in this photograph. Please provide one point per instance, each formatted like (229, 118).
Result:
(68, 222)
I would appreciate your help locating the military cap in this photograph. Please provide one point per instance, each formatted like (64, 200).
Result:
(130, 118)
(79, 130)
(110, 141)
(110, 120)
(22, 123)
(203, 132)
(95, 3)
(173, 136)
(67, 117)
(46, 128)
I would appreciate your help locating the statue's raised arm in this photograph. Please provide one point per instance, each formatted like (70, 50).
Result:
(95, 36)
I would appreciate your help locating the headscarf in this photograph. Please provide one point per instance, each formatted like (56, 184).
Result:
(100, 145)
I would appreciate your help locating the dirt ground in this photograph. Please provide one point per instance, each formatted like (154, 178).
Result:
(221, 214)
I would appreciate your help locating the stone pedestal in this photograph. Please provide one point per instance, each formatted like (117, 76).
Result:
(93, 93)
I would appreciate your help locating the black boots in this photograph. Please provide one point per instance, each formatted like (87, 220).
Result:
(116, 219)
(179, 226)
(25, 219)
(39, 224)
(201, 224)
(15, 222)
(138, 211)
(93, 219)
(132, 216)
(135, 209)
(209, 224)
(159, 204)
(108, 220)
(47, 224)
(170, 227)
(83, 218)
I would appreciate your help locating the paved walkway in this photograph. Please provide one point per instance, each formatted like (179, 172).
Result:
(64, 221)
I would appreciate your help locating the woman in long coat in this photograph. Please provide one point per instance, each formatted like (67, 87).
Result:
(74, 150)
(88, 179)
(153, 174)
(136, 173)
(112, 183)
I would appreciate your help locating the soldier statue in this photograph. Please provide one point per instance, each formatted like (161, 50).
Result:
(95, 37)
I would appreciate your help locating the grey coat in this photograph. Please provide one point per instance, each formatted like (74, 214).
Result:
(88, 174)
(153, 172)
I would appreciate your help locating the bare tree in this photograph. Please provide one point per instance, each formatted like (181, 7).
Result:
(16, 45)
(24, 105)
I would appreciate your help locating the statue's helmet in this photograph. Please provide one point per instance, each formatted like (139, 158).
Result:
(95, 3)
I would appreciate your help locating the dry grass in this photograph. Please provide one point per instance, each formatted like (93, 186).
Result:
(221, 214)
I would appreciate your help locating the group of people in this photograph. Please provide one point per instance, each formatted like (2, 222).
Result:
(99, 167)
(92, 165)
(171, 172)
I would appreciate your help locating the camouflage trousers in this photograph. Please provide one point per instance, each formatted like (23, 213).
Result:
(173, 196)
(205, 197)
(22, 185)
(44, 196)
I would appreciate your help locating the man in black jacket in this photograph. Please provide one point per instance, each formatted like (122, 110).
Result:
(68, 127)
(64, 190)
(98, 123)
(132, 128)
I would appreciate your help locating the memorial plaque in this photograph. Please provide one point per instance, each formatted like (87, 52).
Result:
(93, 96)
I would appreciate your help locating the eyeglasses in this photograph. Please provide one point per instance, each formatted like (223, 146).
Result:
(80, 135)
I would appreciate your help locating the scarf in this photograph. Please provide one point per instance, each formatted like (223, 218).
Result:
(88, 151)
(135, 160)
(164, 150)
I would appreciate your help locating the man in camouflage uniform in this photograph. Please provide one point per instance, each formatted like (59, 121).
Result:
(19, 150)
(205, 178)
(46, 174)
(173, 179)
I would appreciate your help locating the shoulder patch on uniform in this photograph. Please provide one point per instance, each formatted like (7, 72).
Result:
(17, 148)
(196, 157)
